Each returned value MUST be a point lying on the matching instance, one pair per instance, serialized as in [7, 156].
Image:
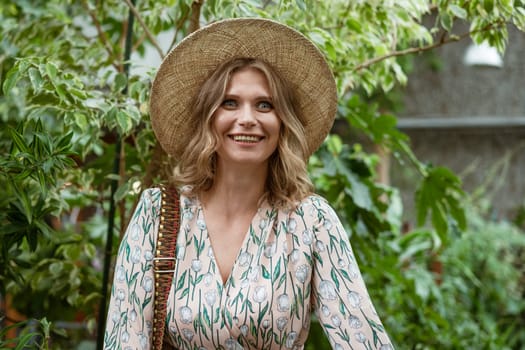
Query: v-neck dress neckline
[208, 242]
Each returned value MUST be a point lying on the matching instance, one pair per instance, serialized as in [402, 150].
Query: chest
[226, 237]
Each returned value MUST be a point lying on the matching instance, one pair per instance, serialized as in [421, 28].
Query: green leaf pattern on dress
[290, 264]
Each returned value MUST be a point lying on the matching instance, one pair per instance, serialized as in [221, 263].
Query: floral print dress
[290, 264]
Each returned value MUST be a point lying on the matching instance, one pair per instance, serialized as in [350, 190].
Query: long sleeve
[130, 313]
[339, 295]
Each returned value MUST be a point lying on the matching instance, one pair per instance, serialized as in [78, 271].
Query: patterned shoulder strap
[164, 261]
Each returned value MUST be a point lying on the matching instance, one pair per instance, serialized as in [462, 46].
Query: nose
[247, 117]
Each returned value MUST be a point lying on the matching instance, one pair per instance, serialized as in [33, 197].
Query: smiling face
[246, 122]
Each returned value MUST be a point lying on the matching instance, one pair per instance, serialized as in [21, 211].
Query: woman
[242, 104]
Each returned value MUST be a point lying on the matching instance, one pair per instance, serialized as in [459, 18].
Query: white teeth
[245, 138]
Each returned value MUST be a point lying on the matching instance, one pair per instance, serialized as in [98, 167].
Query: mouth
[246, 138]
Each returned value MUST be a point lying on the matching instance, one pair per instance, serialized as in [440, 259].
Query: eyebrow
[261, 97]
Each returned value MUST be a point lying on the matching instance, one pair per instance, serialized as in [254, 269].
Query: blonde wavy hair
[287, 182]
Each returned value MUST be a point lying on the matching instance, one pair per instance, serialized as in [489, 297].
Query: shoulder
[314, 211]
[314, 199]
[151, 197]
[314, 204]
[151, 192]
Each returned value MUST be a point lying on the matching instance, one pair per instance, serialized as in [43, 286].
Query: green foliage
[28, 336]
[440, 193]
[344, 177]
[434, 290]
[66, 99]
[484, 271]
[27, 174]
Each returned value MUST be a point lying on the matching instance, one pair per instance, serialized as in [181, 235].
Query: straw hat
[192, 61]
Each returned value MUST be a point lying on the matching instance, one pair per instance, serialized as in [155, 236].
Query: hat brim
[191, 62]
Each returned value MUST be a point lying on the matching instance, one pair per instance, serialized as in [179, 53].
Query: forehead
[247, 77]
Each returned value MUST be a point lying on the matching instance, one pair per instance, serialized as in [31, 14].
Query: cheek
[217, 129]
[278, 127]
[219, 123]
[216, 125]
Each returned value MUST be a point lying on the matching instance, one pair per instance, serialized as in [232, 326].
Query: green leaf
[81, 94]
[24, 204]
[446, 21]
[18, 140]
[11, 79]
[120, 82]
[458, 212]
[439, 219]
[25, 340]
[44, 143]
[90, 251]
[488, 5]
[354, 25]
[359, 191]
[4, 330]
[56, 267]
[42, 182]
[81, 121]
[458, 11]
[51, 70]
[64, 143]
[330, 51]
[301, 4]
[439, 192]
[61, 92]
[36, 79]
[124, 122]
[418, 242]
[334, 144]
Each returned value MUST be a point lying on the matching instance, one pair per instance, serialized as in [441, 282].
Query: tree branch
[180, 24]
[101, 34]
[443, 40]
[146, 30]
[195, 15]
[139, 42]
[194, 20]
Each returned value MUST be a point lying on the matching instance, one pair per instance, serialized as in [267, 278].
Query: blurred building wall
[470, 119]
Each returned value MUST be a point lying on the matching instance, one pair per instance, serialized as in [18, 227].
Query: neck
[236, 190]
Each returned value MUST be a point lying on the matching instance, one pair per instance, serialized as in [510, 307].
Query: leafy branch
[101, 34]
[444, 40]
[145, 28]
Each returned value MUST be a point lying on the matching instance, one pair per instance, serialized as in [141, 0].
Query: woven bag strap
[164, 261]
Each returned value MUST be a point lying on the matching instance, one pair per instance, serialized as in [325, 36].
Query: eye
[229, 103]
[264, 106]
